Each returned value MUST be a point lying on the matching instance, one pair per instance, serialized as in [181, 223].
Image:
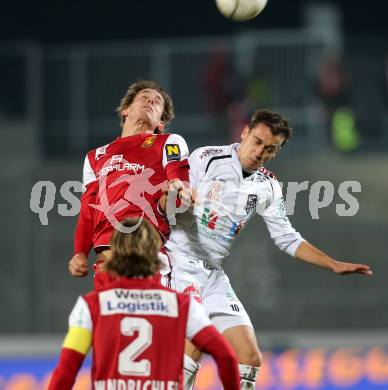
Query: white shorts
[211, 286]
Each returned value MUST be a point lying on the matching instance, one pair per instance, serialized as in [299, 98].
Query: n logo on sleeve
[173, 152]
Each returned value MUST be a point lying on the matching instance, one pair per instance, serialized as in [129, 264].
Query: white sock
[248, 376]
[190, 369]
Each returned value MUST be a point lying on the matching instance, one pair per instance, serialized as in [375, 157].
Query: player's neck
[135, 127]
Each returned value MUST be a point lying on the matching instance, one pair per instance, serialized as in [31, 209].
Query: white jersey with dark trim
[227, 202]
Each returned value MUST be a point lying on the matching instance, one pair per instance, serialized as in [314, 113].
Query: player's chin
[252, 166]
[148, 116]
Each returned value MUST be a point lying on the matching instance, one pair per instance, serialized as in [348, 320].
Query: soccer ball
[240, 9]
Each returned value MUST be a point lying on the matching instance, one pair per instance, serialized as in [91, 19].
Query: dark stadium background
[63, 21]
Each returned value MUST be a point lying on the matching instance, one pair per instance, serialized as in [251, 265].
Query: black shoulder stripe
[216, 158]
[270, 182]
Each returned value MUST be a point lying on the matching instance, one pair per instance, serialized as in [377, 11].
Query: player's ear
[124, 112]
[244, 132]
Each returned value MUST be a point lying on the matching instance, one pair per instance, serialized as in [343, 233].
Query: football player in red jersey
[137, 327]
[126, 177]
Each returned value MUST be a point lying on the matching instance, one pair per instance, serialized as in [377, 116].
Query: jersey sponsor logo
[251, 203]
[210, 152]
[101, 151]
[193, 291]
[209, 218]
[130, 301]
[127, 166]
[135, 384]
[173, 152]
[215, 191]
[203, 231]
[149, 141]
[116, 158]
[137, 294]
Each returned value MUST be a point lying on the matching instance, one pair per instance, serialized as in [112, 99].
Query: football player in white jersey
[231, 184]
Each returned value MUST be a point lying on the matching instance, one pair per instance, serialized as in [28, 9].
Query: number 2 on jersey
[127, 364]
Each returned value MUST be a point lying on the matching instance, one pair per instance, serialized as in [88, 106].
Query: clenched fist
[78, 265]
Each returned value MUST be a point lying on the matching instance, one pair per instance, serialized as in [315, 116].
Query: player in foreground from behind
[137, 327]
[126, 178]
[231, 185]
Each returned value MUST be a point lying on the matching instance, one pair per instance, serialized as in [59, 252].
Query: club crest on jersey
[173, 152]
[149, 141]
[251, 203]
[101, 151]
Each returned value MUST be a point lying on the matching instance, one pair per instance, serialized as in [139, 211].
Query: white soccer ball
[240, 9]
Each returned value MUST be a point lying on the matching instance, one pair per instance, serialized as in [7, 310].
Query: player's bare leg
[190, 364]
[243, 341]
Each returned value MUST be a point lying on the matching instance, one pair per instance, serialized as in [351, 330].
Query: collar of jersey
[140, 135]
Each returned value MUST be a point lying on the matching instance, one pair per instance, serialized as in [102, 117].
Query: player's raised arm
[206, 338]
[290, 241]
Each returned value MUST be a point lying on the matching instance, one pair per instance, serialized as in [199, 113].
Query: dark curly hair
[275, 121]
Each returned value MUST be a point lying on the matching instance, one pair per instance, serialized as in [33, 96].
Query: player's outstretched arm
[208, 340]
[309, 253]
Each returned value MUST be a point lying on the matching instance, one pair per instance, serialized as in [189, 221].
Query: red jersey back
[139, 328]
[125, 179]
